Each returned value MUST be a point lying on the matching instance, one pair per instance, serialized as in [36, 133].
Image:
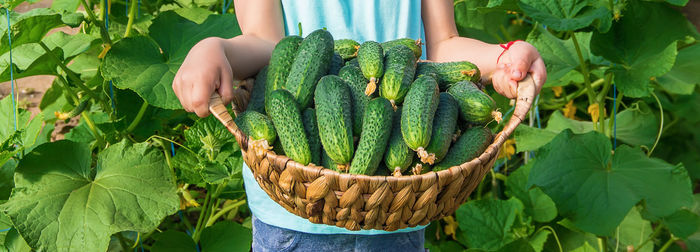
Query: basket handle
[218, 109]
[527, 90]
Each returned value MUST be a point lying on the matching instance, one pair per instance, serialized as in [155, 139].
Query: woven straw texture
[359, 202]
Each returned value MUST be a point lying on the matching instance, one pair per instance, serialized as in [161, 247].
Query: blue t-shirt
[361, 20]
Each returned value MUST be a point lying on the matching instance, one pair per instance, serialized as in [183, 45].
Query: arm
[213, 63]
[444, 44]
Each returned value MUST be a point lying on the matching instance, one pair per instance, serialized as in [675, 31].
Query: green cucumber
[398, 156]
[336, 64]
[427, 70]
[286, 116]
[357, 83]
[414, 45]
[452, 72]
[370, 56]
[257, 95]
[353, 62]
[400, 68]
[444, 126]
[311, 63]
[277, 147]
[418, 113]
[82, 105]
[256, 126]
[334, 115]
[469, 146]
[475, 106]
[347, 48]
[376, 129]
[281, 63]
[311, 128]
[326, 161]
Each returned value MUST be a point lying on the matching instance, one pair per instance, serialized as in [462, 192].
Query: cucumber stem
[138, 117]
[371, 86]
[586, 74]
[132, 16]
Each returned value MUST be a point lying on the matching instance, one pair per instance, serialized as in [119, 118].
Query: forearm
[457, 48]
[247, 54]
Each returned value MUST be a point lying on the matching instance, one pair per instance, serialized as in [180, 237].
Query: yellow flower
[508, 149]
[557, 91]
[594, 111]
[569, 110]
[61, 115]
[450, 227]
[186, 199]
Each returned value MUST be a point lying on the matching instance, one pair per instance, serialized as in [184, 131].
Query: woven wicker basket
[359, 202]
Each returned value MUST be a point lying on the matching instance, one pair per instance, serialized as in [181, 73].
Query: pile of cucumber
[367, 108]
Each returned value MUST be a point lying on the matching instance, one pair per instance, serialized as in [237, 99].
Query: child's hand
[515, 63]
[202, 73]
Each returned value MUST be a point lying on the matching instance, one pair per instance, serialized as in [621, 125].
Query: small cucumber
[326, 161]
[427, 70]
[257, 95]
[311, 63]
[376, 129]
[370, 56]
[452, 72]
[281, 63]
[418, 113]
[347, 48]
[414, 45]
[334, 116]
[475, 106]
[357, 83]
[469, 146]
[311, 128]
[286, 116]
[336, 64]
[353, 62]
[444, 126]
[398, 156]
[400, 68]
[256, 126]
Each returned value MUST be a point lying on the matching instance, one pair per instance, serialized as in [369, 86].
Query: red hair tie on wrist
[505, 48]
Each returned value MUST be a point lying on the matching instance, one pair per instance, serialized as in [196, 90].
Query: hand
[204, 71]
[515, 63]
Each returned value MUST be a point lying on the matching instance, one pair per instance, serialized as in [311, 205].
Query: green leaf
[642, 51]
[637, 125]
[15, 243]
[207, 136]
[71, 44]
[28, 60]
[65, 5]
[586, 247]
[226, 236]
[596, 189]
[29, 127]
[174, 241]
[538, 240]
[569, 15]
[683, 78]
[633, 230]
[137, 63]
[487, 222]
[54, 101]
[473, 21]
[186, 164]
[536, 203]
[197, 15]
[682, 223]
[28, 27]
[7, 175]
[58, 194]
[530, 138]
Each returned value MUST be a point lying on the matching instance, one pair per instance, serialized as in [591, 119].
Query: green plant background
[609, 160]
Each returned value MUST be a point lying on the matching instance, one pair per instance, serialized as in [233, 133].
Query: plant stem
[584, 70]
[601, 102]
[70, 73]
[132, 16]
[653, 235]
[138, 117]
[661, 124]
[91, 14]
[202, 214]
[224, 211]
[667, 244]
[91, 125]
[556, 237]
[616, 108]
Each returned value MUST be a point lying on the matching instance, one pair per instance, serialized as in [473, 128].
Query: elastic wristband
[505, 47]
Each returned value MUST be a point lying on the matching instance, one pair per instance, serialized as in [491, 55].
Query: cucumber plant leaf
[633, 230]
[173, 241]
[683, 77]
[218, 237]
[28, 60]
[137, 63]
[535, 202]
[28, 27]
[596, 189]
[569, 15]
[682, 223]
[72, 45]
[487, 223]
[60, 202]
[28, 128]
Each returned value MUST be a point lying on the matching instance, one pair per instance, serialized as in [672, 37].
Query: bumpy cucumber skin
[286, 117]
[397, 155]
[418, 112]
[370, 57]
[353, 62]
[469, 146]
[423, 69]
[311, 127]
[357, 83]
[326, 161]
[257, 95]
[336, 64]
[414, 45]
[475, 106]
[311, 63]
[452, 72]
[281, 63]
[376, 129]
[256, 126]
[444, 126]
[400, 69]
[334, 115]
[347, 48]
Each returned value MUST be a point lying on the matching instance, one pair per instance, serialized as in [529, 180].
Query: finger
[225, 87]
[176, 90]
[503, 84]
[539, 73]
[201, 92]
[518, 69]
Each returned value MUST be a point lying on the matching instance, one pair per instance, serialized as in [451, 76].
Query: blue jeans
[271, 238]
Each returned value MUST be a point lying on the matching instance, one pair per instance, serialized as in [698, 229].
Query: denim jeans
[271, 238]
